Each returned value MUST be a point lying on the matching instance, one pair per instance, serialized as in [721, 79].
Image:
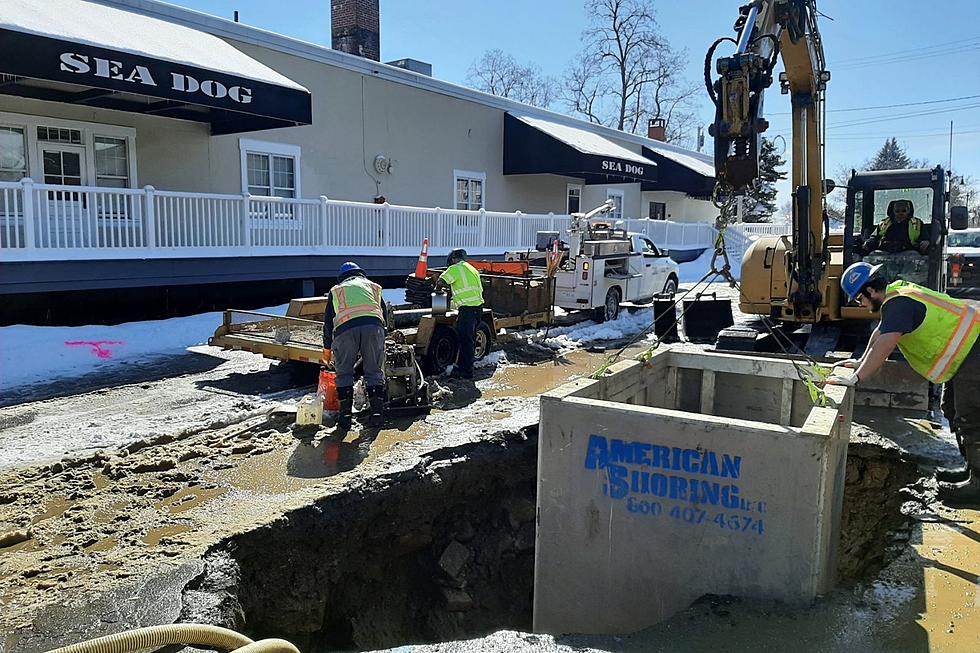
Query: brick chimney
[657, 129]
[355, 27]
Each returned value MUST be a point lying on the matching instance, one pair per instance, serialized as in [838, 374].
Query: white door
[655, 267]
[67, 215]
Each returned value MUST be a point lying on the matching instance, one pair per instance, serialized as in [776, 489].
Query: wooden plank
[708, 392]
[786, 402]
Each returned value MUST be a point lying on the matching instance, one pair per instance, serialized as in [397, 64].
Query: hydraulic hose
[186, 634]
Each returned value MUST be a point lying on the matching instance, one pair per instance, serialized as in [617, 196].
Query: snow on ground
[33, 354]
[493, 359]
[627, 325]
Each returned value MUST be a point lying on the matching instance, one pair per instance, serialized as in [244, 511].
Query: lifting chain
[725, 201]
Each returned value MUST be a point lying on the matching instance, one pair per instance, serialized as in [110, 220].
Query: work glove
[851, 363]
[924, 246]
[841, 379]
[327, 357]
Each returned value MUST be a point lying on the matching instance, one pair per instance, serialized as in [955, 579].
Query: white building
[97, 97]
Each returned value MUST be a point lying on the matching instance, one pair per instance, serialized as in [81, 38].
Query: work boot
[346, 398]
[968, 491]
[376, 399]
[963, 493]
[953, 474]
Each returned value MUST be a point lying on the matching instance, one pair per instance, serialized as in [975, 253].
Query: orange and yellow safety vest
[938, 346]
[356, 297]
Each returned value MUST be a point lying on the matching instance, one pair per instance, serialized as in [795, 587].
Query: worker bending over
[936, 334]
[899, 231]
[467, 299]
[355, 324]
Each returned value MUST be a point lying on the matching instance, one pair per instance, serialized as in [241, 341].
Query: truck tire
[610, 308]
[484, 341]
[670, 288]
[442, 351]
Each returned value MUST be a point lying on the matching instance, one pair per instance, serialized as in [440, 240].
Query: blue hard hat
[856, 276]
[349, 268]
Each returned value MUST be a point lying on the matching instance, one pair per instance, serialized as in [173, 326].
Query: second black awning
[537, 146]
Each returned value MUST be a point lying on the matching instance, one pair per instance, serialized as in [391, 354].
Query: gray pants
[961, 406]
[367, 340]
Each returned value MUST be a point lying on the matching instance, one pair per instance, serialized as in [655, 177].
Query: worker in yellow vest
[354, 324]
[467, 300]
[936, 334]
[899, 231]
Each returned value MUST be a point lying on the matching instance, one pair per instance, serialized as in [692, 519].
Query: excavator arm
[766, 31]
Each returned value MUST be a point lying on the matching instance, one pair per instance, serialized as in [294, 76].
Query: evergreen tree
[891, 156]
[761, 201]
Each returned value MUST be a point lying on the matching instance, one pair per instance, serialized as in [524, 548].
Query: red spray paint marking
[97, 347]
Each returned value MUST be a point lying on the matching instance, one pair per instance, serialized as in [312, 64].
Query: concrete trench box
[686, 475]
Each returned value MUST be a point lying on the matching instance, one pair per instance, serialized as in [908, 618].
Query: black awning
[47, 68]
[678, 171]
[536, 146]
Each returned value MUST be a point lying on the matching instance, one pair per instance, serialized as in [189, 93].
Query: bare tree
[628, 73]
[499, 73]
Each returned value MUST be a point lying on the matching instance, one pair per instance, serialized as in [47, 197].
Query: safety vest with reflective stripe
[915, 229]
[356, 297]
[939, 345]
[464, 279]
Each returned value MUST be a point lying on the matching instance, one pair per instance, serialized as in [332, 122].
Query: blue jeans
[466, 323]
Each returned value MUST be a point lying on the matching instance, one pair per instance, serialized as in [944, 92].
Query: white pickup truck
[603, 266]
[614, 267]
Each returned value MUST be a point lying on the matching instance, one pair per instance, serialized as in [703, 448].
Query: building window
[270, 169]
[60, 135]
[468, 188]
[658, 211]
[271, 175]
[111, 162]
[13, 154]
[617, 197]
[573, 203]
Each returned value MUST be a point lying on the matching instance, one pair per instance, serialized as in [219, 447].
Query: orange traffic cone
[422, 269]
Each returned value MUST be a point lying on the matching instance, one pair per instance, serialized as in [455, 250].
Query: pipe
[184, 634]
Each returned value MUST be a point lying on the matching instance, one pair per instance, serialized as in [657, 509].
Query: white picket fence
[48, 222]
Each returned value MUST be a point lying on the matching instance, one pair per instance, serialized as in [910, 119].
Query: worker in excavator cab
[464, 282]
[900, 231]
[354, 324]
[937, 335]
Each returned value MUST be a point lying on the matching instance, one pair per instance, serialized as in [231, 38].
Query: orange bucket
[328, 389]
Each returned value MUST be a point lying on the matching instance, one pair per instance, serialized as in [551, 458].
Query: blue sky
[880, 52]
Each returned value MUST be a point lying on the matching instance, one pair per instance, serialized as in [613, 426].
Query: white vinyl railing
[48, 222]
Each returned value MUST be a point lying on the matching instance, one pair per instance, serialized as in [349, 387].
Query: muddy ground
[186, 494]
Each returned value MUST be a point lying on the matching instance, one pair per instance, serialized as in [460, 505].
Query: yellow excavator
[794, 280]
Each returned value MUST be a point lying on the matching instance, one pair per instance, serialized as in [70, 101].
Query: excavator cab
[873, 197]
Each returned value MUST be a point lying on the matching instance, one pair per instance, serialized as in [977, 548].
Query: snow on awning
[87, 53]
[678, 170]
[538, 146]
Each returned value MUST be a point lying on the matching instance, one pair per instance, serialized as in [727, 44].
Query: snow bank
[33, 354]
[627, 325]
[693, 271]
